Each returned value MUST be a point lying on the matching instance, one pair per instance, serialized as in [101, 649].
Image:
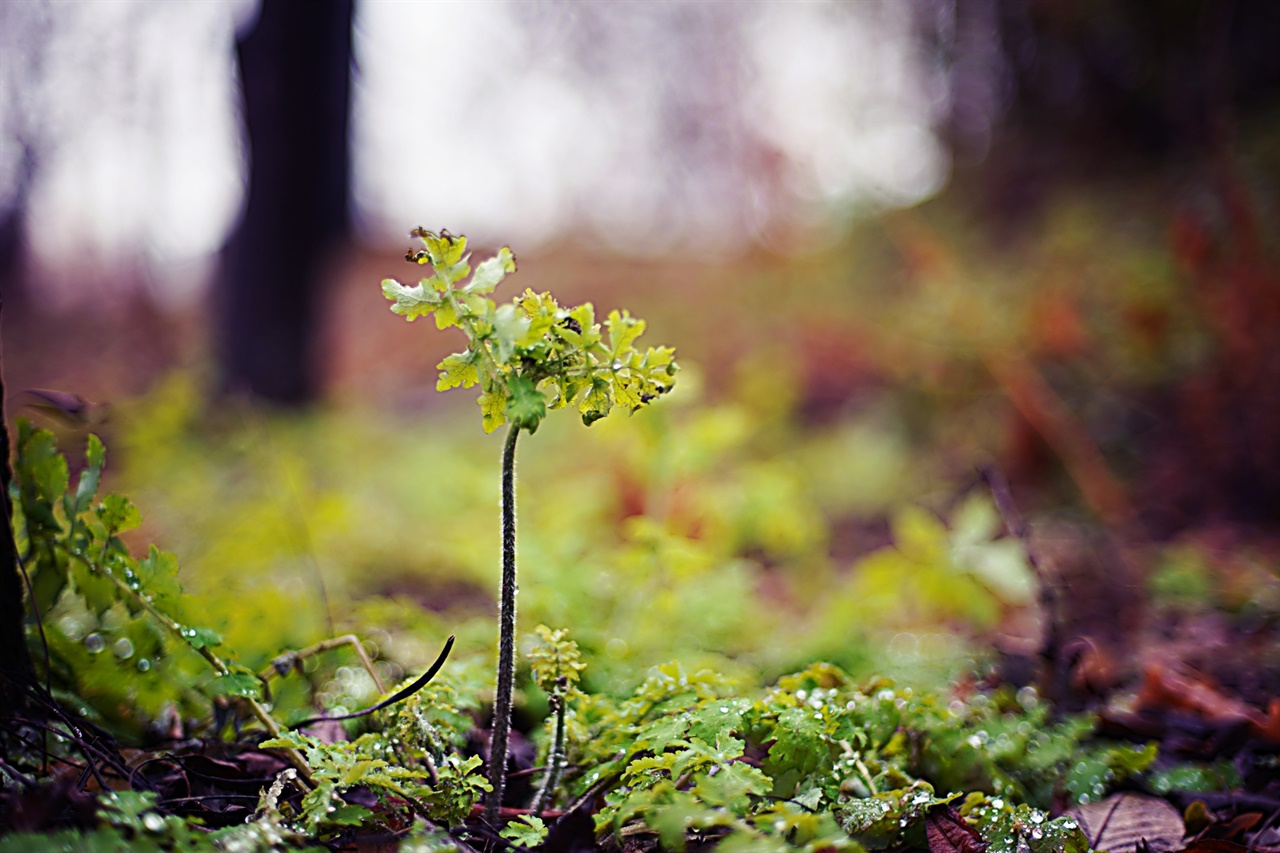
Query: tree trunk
[295, 74]
[15, 663]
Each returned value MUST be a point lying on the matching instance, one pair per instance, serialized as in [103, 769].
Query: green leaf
[919, 535]
[623, 330]
[597, 402]
[348, 815]
[444, 249]
[490, 273]
[799, 742]
[118, 514]
[359, 770]
[509, 326]
[411, 302]
[626, 392]
[235, 684]
[43, 466]
[541, 309]
[447, 315]
[201, 638]
[555, 657]
[157, 575]
[732, 786]
[493, 406]
[526, 407]
[95, 457]
[457, 370]
[526, 831]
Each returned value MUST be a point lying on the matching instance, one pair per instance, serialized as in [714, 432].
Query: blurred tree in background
[295, 70]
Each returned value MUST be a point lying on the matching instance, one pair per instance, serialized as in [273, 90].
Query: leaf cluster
[817, 763]
[555, 662]
[531, 354]
[118, 630]
[443, 792]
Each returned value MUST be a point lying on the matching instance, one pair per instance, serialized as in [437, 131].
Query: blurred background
[893, 241]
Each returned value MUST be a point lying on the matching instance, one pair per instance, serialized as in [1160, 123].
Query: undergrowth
[690, 583]
[813, 760]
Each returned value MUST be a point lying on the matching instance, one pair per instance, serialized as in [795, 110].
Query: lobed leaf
[410, 302]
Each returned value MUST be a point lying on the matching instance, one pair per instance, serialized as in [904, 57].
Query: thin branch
[1017, 527]
[283, 663]
[398, 697]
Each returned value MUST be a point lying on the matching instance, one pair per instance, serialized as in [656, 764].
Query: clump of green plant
[817, 762]
[527, 356]
[557, 667]
[93, 595]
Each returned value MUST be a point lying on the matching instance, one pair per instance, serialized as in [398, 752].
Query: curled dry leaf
[1127, 822]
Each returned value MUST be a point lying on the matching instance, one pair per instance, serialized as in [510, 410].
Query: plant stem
[507, 632]
[555, 758]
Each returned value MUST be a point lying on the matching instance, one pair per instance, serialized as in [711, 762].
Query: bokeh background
[893, 242]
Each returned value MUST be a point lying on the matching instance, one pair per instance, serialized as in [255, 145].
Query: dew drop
[123, 648]
[143, 665]
[153, 822]
[94, 643]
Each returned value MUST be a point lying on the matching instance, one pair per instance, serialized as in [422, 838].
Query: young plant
[556, 665]
[527, 356]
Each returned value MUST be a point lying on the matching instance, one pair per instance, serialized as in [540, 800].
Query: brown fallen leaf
[1240, 824]
[1165, 687]
[948, 833]
[1127, 822]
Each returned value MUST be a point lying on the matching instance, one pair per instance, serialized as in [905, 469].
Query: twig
[1048, 592]
[399, 695]
[14, 773]
[1262, 830]
[283, 663]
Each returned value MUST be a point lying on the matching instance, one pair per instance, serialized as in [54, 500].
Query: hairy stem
[555, 758]
[507, 632]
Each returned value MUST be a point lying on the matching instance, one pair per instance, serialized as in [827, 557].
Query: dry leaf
[1123, 822]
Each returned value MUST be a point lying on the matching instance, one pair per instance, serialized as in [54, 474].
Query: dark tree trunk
[15, 663]
[295, 73]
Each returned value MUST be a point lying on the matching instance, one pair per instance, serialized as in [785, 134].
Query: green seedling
[527, 356]
[556, 665]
